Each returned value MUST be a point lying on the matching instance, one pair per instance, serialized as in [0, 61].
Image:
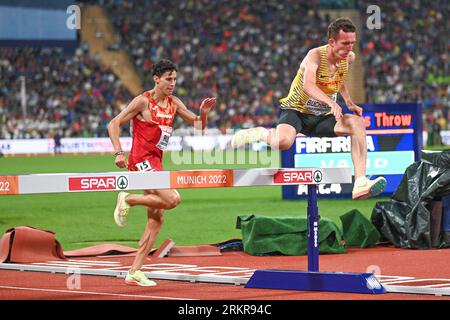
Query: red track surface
[420, 264]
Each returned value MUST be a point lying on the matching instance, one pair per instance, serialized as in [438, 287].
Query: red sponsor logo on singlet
[328, 83]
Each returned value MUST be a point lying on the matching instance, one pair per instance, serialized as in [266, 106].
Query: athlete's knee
[285, 143]
[283, 137]
[281, 141]
[356, 123]
[173, 200]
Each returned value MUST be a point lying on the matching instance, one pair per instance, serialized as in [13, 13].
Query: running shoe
[245, 136]
[365, 188]
[138, 278]
[122, 209]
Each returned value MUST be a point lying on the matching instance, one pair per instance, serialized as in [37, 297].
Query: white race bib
[163, 142]
[318, 107]
[144, 166]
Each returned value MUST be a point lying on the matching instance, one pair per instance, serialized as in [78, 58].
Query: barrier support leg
[313, 229]
[313, 280]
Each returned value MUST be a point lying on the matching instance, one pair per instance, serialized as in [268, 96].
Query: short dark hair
[162, 67]
[344, 24]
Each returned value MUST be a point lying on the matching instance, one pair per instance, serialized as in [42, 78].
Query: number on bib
[144, 166]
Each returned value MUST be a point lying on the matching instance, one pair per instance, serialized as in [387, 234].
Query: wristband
[119, 153]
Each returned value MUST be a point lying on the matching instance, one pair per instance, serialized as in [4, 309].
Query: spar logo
[98, 183]
[295, 176]
[317, 176]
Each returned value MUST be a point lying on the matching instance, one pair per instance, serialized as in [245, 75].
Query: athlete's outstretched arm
[134, 107]
[190, 117]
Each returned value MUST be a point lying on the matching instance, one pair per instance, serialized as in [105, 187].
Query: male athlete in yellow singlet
[311, 108]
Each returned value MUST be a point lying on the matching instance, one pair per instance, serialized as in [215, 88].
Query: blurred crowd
[73, 95]
[242, 53]
[407, 59]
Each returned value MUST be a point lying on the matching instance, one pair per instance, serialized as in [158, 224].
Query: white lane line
[84, 261]
[444, 285]
[74, 263]
[391, 278]
[94, 293]
[416, 280]
[159, 266]
[95, 261]
[66, 265]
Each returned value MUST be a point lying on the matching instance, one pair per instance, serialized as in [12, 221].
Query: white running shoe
[138, 279]
[245, 136]
[122, 209]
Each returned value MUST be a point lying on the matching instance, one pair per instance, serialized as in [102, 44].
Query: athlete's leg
[280, 138]
[353, 126]
[155, 220]
[160, 199]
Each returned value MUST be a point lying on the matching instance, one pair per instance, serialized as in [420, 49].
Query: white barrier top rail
[126, 180]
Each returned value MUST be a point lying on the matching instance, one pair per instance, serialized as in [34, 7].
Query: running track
[418, 267]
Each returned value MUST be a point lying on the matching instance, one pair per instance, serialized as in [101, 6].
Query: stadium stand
[246, 55]
[75, 95]
[407, 59]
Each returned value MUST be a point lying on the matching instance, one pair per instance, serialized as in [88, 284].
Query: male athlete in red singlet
[151, 138]
[151, 115]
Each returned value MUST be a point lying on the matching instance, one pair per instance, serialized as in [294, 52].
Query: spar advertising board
[394, 141]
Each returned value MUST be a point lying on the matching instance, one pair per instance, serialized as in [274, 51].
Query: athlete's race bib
[163, 142]
[144, 166]
[318, 107]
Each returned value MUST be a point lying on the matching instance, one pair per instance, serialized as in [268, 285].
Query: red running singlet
[150, 139]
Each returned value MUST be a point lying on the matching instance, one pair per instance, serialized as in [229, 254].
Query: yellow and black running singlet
[299, 100]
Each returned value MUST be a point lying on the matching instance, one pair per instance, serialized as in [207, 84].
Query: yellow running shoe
[138, 279]
[122, 209]
[365, 188]
[245, 136]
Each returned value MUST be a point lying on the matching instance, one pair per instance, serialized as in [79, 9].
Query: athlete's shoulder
[177, 102]
[315, 51]
[175, 99]
[141, 100]
[318, 50]
[313, 55]
[138, 104]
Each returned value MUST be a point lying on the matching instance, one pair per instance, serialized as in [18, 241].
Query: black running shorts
[308, 124]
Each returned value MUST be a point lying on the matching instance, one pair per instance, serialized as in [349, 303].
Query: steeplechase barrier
[214, 178]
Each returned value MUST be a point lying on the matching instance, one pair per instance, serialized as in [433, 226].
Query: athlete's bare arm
[343, 90]
[311, 64]
[135, 107]
[190, 117]
[345, 94]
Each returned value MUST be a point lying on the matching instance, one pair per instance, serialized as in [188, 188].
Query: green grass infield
[205, 216]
